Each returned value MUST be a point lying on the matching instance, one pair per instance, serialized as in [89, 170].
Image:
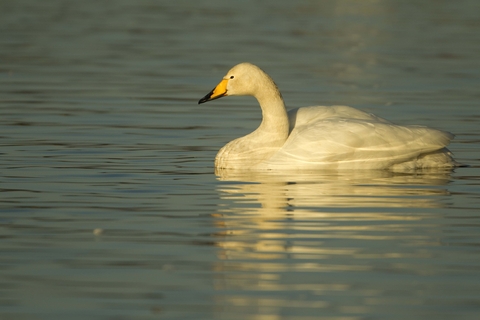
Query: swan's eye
[231, 77]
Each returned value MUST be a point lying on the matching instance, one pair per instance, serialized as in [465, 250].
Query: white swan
[336, 137]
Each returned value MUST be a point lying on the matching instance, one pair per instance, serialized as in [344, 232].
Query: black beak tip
[206, 98]
[203, 100]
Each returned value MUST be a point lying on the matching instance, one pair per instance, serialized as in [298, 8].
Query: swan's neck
[274, 126]
[267, 139]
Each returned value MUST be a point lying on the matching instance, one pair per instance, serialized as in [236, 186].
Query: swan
[322, 137]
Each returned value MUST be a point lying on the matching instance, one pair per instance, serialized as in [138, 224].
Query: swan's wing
[304, 116]
[367, 142]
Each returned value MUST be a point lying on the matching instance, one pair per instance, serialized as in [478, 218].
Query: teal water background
[109, 205]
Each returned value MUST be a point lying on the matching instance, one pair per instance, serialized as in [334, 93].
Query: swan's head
[242, 80]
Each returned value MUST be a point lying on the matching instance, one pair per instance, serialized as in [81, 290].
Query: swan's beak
[219, 91]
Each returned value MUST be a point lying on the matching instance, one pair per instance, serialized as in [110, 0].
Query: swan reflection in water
[321, 222]
[348, 189]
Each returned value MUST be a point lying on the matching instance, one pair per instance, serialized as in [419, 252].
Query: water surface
[110, 207]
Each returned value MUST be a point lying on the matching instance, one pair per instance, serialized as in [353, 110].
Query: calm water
[110, 207]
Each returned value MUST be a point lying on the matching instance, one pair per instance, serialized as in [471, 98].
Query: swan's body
[309, 138]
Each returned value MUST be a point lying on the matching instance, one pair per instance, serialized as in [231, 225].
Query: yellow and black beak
[219, 91]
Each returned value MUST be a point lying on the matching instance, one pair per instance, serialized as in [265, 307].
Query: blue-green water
[109, 205]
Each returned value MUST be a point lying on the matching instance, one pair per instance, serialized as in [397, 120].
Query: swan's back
[341, 137]
[303, 116]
